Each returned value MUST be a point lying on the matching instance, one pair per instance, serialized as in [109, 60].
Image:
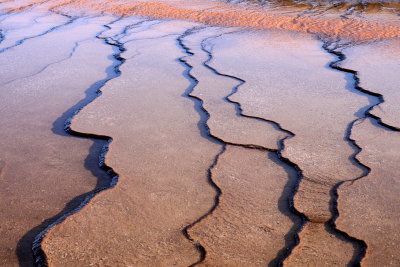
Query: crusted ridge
[199, 103]
[40, 259]
[293, 233]
[283, 253]
[360, 245]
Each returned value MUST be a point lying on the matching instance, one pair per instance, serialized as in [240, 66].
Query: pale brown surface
[162, 160]
[34, 55]
[44, 168]
[212, 89]
[247, 228]
[319, 248]
[378, 67]
[369, 208]
[265, 234]
[162, 152]
[17, 26]
[312, 102]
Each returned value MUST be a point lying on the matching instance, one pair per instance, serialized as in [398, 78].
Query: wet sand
[209, 144]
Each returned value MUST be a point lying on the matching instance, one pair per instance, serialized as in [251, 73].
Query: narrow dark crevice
[379, 97]
[298, 218]
[107, 177]
[238, 108]
[375, 100]
[34, 21]
[71, 19]
[4, 16]
[1, 36]
[218, 191]
[24, 245]
[76, 45]
[350, 10]
[205, 132]
[291, 238]
[125, 33]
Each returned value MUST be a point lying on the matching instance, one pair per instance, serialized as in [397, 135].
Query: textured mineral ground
[199, 133]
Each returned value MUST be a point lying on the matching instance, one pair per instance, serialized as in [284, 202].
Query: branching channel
[333, 48]
[39, 255]
[291, 241]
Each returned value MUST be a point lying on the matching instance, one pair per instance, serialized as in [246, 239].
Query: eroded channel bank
[44, 167]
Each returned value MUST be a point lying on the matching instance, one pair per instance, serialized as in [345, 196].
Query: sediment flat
[209, 133]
